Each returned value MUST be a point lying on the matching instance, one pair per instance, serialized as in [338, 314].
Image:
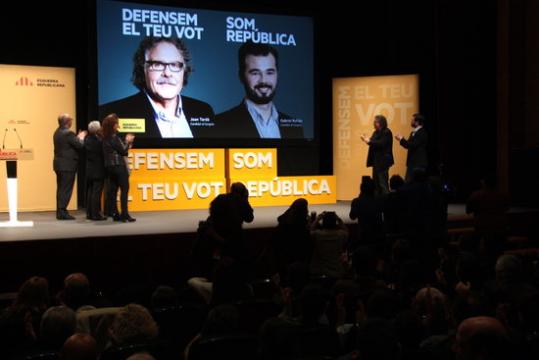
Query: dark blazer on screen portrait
[238, 123]
[66, 150]
[138, 106]
[417, 149]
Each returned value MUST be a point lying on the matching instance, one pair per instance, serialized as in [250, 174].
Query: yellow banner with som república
[283, 190]
[244, 163]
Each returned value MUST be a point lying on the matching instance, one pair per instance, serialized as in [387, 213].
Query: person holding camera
[329, 235]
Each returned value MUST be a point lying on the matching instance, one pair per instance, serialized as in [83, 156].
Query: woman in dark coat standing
[114, 151]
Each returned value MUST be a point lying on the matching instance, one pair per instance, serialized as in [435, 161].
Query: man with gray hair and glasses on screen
[161, 70]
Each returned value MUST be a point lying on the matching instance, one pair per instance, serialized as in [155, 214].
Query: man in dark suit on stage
[380, 156]
[95, 171]
[66, 157]
[257, 115]
[416, 145]
[161, 69]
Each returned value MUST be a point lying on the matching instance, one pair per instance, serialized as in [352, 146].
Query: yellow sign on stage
[132, 125]
[284, 190]
[252, 163]
[172, 179]
[163, 163]
[356, 101]
[32, 98]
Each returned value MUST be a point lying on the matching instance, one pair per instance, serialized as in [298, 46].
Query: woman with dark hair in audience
[367, 209]
[115, 150]
[19, 323]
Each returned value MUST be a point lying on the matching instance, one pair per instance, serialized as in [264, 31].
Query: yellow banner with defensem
[165, 163]
[356, 101]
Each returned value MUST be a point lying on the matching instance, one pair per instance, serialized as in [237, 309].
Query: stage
[46, 227]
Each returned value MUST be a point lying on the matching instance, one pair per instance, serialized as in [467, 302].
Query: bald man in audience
[141, 356]
[79, 347]
[482, 338]
[76, 291]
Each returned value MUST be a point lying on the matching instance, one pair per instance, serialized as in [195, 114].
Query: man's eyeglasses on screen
[160, 66]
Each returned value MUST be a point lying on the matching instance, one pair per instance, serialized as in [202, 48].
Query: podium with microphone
[11, 156]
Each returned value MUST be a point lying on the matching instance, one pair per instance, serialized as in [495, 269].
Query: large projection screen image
[175, 75]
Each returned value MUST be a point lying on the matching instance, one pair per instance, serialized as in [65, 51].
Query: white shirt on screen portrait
[267, 128]
[171, 126]
[416, 129]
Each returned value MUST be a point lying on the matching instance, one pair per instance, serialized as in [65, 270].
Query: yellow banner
[355, 103]
[132, 125]
[149, 194]
[244, 163]
[165, 163]
[32, 98]
[284, 190]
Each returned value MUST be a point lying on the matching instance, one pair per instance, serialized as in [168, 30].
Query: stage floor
[46, 227]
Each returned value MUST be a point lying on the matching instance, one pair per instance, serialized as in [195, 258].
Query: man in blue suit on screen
[257, 116]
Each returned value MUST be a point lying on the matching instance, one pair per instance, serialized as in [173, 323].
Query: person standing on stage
[66, 158]
[114, 151]
[95, 171]
[416, 145]
[380, 156]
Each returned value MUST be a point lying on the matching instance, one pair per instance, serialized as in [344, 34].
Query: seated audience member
[133, 325]
[57, 325]
[482, 338]
[222, 320]
[79, 347]
[164, 296]
[141, 356]
[394, 207]
[489, 208]
[76, 292]
[329, 236]
[367, 209]
[291, 240]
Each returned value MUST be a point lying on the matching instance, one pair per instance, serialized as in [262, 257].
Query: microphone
[4, 141]
[20, 141]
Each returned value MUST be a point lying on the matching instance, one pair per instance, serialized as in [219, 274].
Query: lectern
[11, 156]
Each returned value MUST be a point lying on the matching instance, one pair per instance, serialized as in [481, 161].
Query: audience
[396, 291]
